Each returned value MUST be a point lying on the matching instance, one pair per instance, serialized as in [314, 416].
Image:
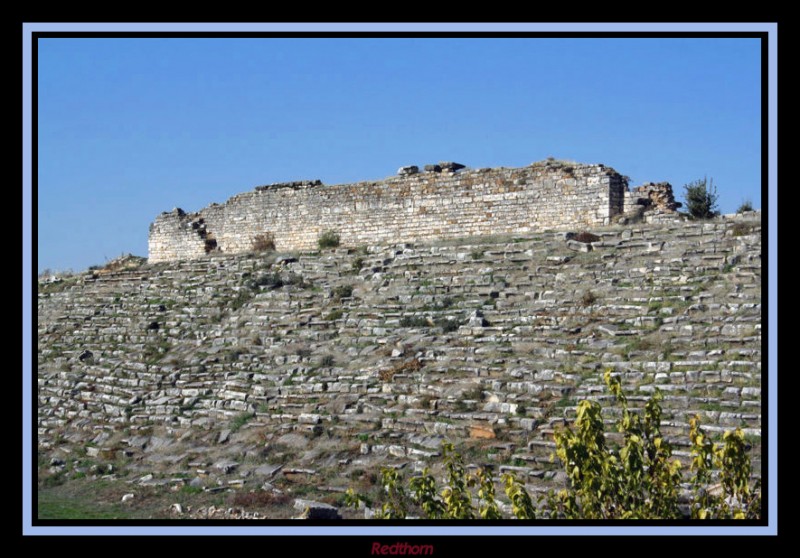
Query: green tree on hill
[701, 198]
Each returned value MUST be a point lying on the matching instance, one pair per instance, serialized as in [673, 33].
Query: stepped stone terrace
[300, 372]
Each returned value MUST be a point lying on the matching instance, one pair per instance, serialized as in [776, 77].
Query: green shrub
[701, 198]
[55, 479]
[637, 479]
[327, 361]
[269, 280]
[242, 298]
[414, 321]
[297, 280]
[240, 420]
[474, 394]
[342, 291]
[446, 302]
[448, 325]
[334, 315]
[275, 280]
[746, 205]
[328, 239]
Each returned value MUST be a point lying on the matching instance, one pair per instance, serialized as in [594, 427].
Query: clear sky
[132, 127]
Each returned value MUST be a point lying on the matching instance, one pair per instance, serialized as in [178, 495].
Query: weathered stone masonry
[417, 206]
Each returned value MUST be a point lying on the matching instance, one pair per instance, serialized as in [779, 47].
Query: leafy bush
[342, 291]
[701, 199]
[454, 500]
[270, 280]
[588, 298]
[188, 489]
[275, 281]
[297, 280]
[414, 321]
[240, 420]
[446, 302]
[264, 243]
[640, 479]
[242, 298]
[334, 315]
[328, 239]
[327, 361]
[52, 480]
[747, 205]
[448, 325]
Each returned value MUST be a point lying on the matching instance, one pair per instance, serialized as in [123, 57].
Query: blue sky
[132, 127]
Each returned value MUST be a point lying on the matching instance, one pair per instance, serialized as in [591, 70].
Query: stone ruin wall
[410, 207]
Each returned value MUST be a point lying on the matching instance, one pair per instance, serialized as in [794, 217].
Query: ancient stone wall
[440, 203]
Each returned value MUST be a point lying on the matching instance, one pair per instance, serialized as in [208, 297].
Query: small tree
[636, 478]
[747, 205]
[328, 239]
[701, 198]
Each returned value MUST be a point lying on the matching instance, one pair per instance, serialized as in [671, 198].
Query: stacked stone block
[413, 206]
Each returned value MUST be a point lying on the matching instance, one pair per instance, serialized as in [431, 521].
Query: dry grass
[263, 242]
[412, 365]
[588, 298]
[260, 499]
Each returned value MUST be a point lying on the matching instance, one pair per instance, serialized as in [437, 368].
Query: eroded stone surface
[487, 342]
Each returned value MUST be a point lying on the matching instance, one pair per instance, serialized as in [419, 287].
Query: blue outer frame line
[382, 531]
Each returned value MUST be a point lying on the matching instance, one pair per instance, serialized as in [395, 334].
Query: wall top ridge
[446, 172]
